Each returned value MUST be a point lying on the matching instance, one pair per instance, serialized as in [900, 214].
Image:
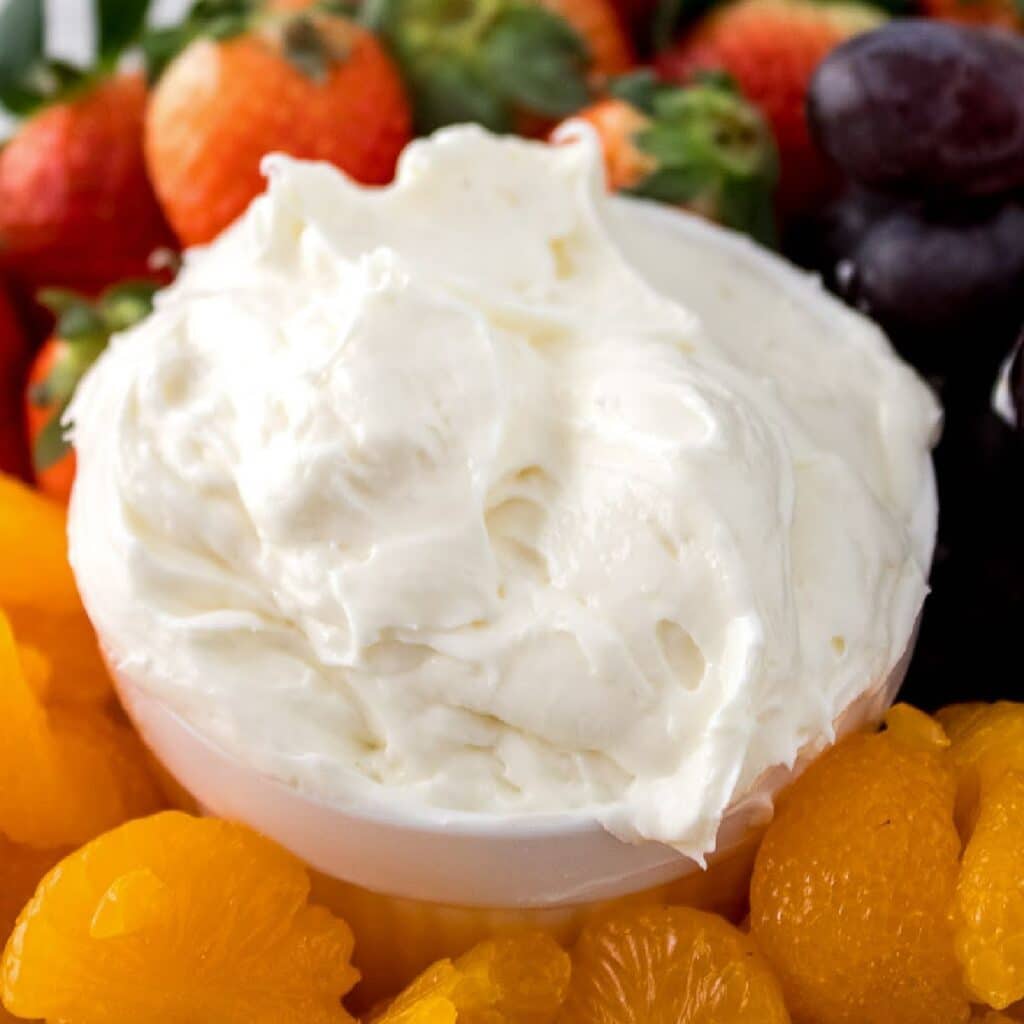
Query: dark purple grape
[924, 107]
[931, 278]
[824, 239]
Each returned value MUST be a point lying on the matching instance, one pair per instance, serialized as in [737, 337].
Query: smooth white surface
[425, 498]
[451, 857]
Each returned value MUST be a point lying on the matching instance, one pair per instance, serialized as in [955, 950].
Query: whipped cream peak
[437, 495]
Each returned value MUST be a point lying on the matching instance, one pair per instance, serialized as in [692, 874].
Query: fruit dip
[424, 496]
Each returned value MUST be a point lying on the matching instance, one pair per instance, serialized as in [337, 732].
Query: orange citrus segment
[34, 550]
[21, 868]
[172, 919]
[38, 593]
[669, 965]
[65, 774]
[988, 740]
[990, 897]
[854, 882]
[914, 728]
[956, 719]
[513, 979]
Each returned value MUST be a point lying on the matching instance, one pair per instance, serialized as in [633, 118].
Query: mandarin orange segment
[38, 593]
[68, 642]
[34, 550]
[669, 965]
[988, 741]
[514, 979]
[66, 774]
[956, 719]
[990, 897]
[853, 885]
[173, 919]
[914, 728]
[21, 868]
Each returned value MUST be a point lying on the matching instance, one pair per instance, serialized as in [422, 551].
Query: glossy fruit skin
[826, 238]
[520, 978]
[21, 868]
[76, 206]
[222, 106]
[56, 480]
[988, 743]
[990, 897]
[932, 278]
[669, 965]
[172, 919]
[772, 48]
[39, 596]
[14, 356]
[616, 123]
[853, 885]
[925, 108]
[67, 774]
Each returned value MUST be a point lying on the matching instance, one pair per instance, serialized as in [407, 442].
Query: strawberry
[702, 147]
[14, 353]
[309, 84]
[771, 48]
[506, 64]
[76, 206]
[82, 331]
[1007, 14]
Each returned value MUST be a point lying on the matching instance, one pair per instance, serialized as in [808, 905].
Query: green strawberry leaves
[455, 91]
[713, 151]
[537, 61]
[22, 26]
[28, 80]
[22, 68]
[118, 25]
[482, 60]
[83, 330]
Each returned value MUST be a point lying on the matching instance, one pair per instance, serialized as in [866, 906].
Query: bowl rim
[386, 809]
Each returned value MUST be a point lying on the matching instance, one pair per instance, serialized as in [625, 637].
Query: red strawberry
[997, 13]
[76, 206]
[771, 48]
[81, 334]
[311, 85]
[13, 364]
[702, 147]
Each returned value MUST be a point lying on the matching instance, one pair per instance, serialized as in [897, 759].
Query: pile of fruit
[888, 888]
[880, 143]
[883, 148]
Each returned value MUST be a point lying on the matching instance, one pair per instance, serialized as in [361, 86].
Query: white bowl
[539, 864]
[539, 861]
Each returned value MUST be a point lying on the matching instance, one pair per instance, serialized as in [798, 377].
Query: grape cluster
[927, 121]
